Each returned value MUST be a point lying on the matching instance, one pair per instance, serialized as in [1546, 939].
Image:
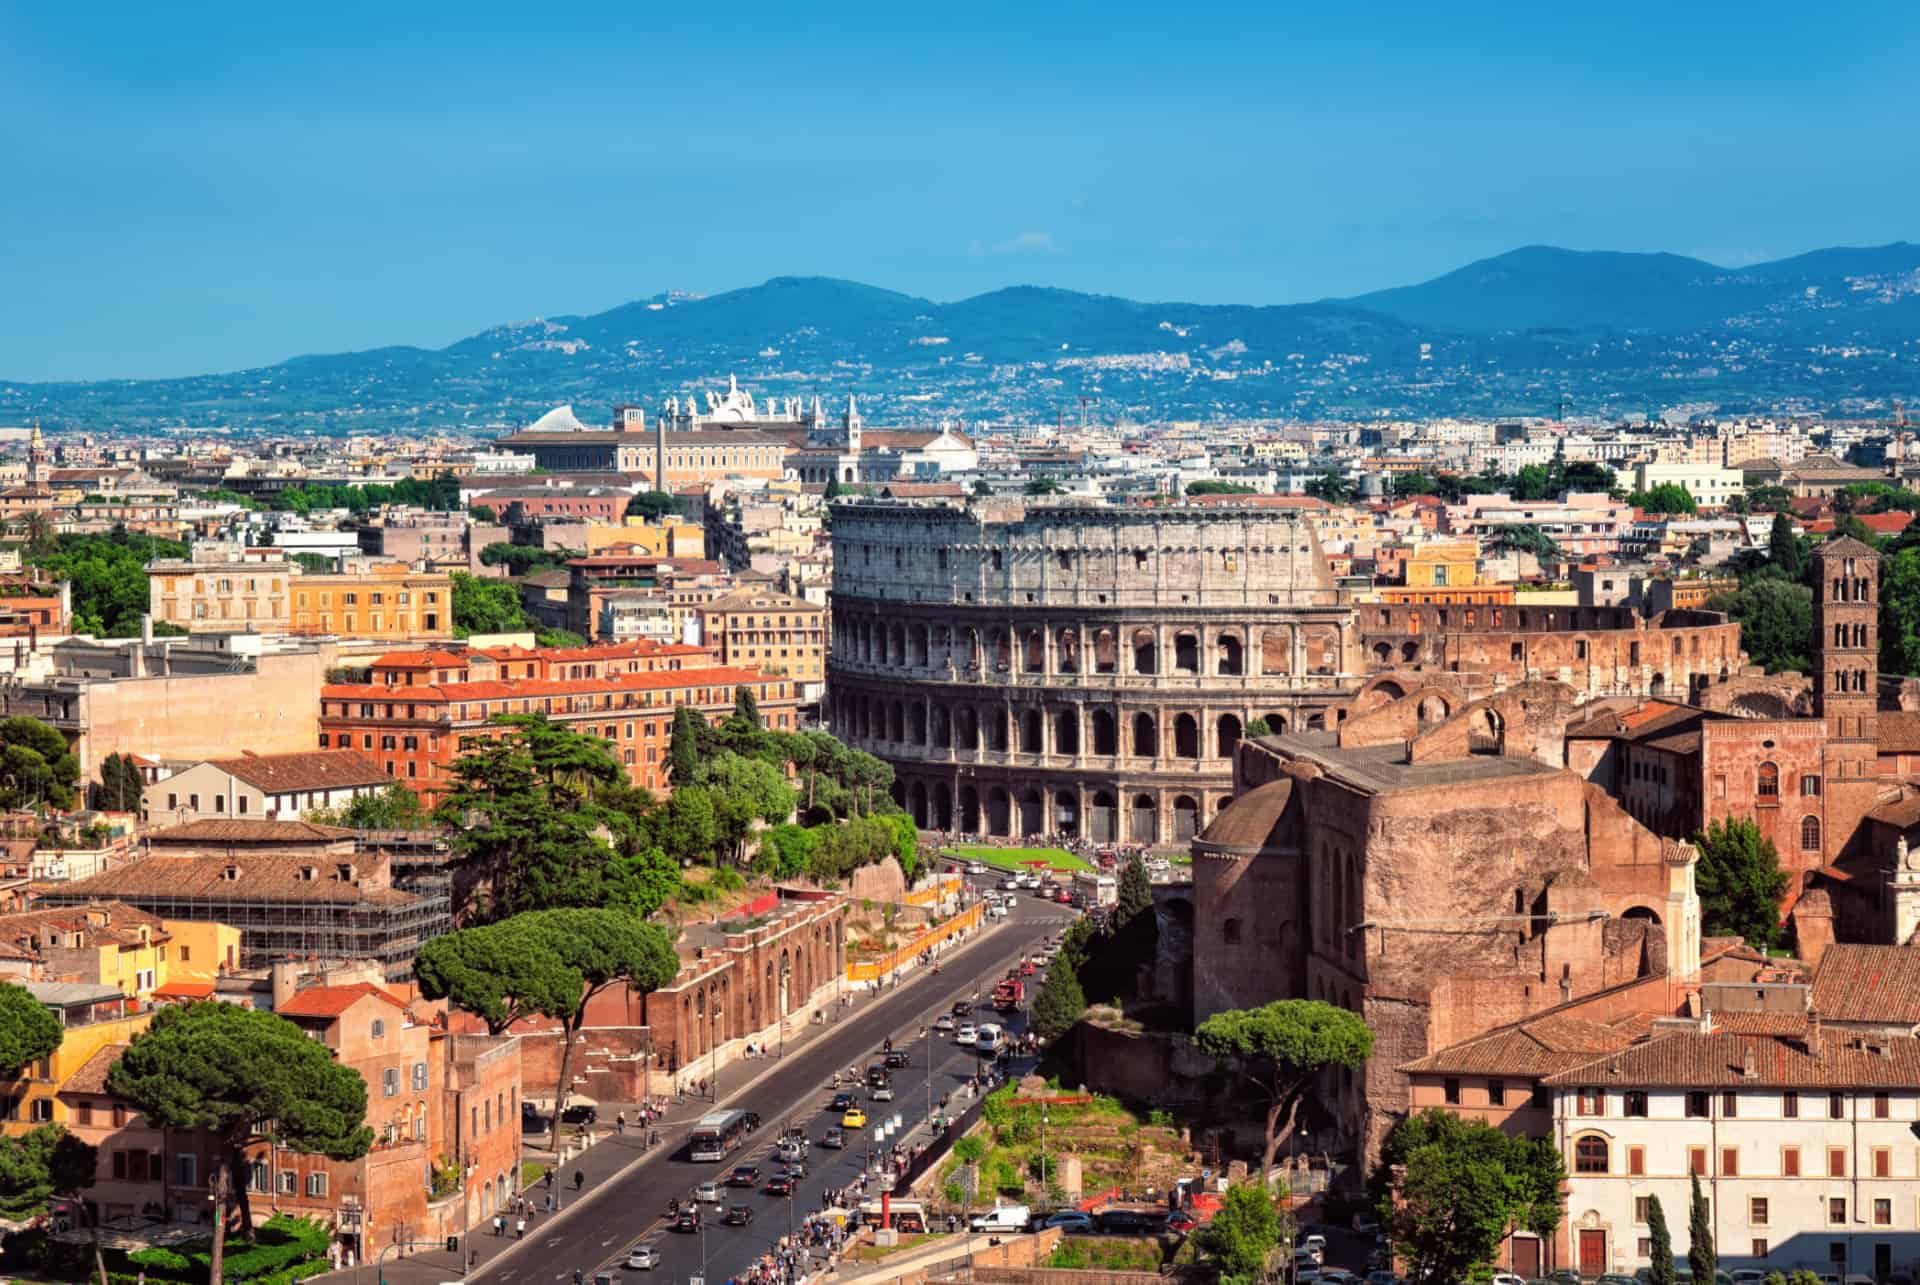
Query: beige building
[279, 787]
[228, 593]
[368, 598]
[774, 633]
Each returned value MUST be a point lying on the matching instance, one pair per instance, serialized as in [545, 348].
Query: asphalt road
[597, 1236]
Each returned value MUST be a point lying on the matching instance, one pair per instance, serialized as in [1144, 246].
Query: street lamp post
[713, 1050]
[786, 971]
[1043, 1146]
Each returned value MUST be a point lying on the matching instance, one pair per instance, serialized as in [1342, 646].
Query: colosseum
[1063, 669]
[1077, 669]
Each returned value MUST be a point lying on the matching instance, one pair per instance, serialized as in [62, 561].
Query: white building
[275, 787]
[1806, 1144]
[1710, 485]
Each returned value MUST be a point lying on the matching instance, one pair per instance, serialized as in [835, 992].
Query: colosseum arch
[1066, 646]
[1033, 652]
[999, 812]
[1145, 826]
[966, 728]
[1486, 731]
[1186, 737]
[897, 645]
[998, 730]
[916, 724]
[1145, 652]
[1230, 660]
[1186, 818]
[1000, 651]
[1100, 819]
[898, 793]
[917, 804]
[1146, 743]
[1186, 652]
[1276, 651]
[941, 805]
[1066, 731]
[1106, 652]
[1277, 722]
[1227, 736]
[917, 646]
[1032, 812]
[1105, 741]
[1066, 813]
[1031, 732]
[897, 723]
[938, 733]
[1383, 653]
[1433, 708]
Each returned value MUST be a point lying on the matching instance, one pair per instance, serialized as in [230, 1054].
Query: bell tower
[36, 456]
[1846, 648]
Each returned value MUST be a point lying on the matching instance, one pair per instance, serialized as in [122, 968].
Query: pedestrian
[520, 1230]
[620, 1123]
[499, 1225]
[579, 1180]
[549, 1202]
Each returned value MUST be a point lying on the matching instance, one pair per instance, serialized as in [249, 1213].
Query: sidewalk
[611, 1157]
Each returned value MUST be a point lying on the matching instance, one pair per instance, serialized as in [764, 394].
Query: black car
[779, 1185]
[688, 1220]
[897, 1058]
[753, 1120]
[739, 1215]
[580, 1113]
[841, 1102]
[961, 1008]
[744, 1176]
[877, 1075]
[1126, 1221]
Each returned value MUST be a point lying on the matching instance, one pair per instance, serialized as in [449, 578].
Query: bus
[715, 1134]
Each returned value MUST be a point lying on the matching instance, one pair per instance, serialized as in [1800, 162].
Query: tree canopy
[1216, 486]
[1465, 1187]
[1701, 1257]
[652, 505]
[108, 574]
[120, 786]
[441, 494]
[1243, 1233]
[482, 606]
[1776, 621]
[1058, 1004]
[1527, 539]
[242, 1074]
[394, 808]
[1280, 1047]
[28, 1031]
[1666, 497]
[36, 767]
[1740, 882]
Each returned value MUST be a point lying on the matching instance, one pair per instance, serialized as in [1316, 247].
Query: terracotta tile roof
[262, 877]
[214, 830]
[515, 688]
[924, 491]
[1899, 731]
[92, 1074]
[1900, 813]
[331, 1001]
[1536, 1047]
[306, 771]
[1794, 1024]
[420, 660]
[1688, 1060]
[122, 926]
[184, 990]
[1860, 983]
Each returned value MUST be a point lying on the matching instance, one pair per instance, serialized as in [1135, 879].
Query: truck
[1100, 889]
[1008, 992]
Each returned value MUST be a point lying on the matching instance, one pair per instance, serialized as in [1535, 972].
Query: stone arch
[917, 724]
[939, 732]
[1145, 827]
[1486, 731]
[1229, 656]
[1101, 820]
[999, 729]
[1276, 651]
[1032, 731]
[897, 645]
[1033, 651]
[1066, 813]
[1409, 652]
[1000, 651]
[1383, 653]
[942, 807]
[1186, 818]
[1433, 708]
[898, 792]
[1657, 685]
[1146, 658]
[966, 728]
[1227, 736]
[1277, 722]
[1033, 808]
[999, 812]
[1186, 737]
[1644, 913]
[897, 723]
[1066, 730]
[1146, 741]
[1186, 652]
[1106, 652]
[969, 810]
[918, 648]
[1760, 705]
[1105, 739]
[1066, 650]
[917, 803]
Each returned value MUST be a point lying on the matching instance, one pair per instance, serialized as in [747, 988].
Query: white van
[1002, 1218]
[988, 1040]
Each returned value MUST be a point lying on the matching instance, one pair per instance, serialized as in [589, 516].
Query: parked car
[580, 1113]
[739, 1215]
[1126, 1221]
[1073, 1220]
[643, 1258]
[1565, 1276]
[1306, 1260]
[1063, 897]
[1508, 1278]
[1311, 1255]
[834, 1137]
[1181, 1221]
[744, 1176]
[1001, 1218]
[707, 1193]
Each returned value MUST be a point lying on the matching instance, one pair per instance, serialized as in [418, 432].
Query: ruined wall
[1250, 931]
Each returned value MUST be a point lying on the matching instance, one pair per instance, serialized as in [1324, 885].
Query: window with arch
[1810, 834]
[1767, 786]
[1590, 1154]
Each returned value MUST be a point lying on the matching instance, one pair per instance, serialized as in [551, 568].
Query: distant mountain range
[1522, 333]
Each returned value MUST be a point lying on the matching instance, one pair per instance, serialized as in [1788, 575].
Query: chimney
[1815, 1038]
[285, 974]
[1748, 1070]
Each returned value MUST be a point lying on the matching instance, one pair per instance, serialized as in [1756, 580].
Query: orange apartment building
[367, 599]
[416, 712]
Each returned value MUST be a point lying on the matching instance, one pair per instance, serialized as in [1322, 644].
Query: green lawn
[1016, 858]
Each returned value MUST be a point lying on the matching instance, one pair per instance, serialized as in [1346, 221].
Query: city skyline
[235, 188]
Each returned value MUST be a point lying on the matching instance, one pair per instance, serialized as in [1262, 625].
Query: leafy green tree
[1464, 1187]
[834, 490]
[1850, 527]
[242, 1075]
[71, 1166]
[1667, 497]
[1259, 727]
[686, 827]
[1044, 486]
[485, 606]
[745, 707]
[1700, 1252]
[1900, 610]
[1776, 621]
[557, 638]
[1783, 547]
[652, 505]
[1213, 486]
[1588, 476]
[786, 852]
[1059, 1003]
[318, 563]
[1244, 1232]
[483, 513]
[28, 1031]
[120, 786]
[1527, 539]
[1533, 482]
[549, 963]
[1660, 1268]
[36, 767]
[1740, 881]
[683, 752]
[526, 816]
[394, 808]
[1331, 487]
[745, 791]
[108, 575]
[1280, 1048]
[1136, 892]
[524, 559]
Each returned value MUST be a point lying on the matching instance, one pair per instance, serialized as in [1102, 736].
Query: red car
[1065, 898]
[1181, 1221]
[1026, 968]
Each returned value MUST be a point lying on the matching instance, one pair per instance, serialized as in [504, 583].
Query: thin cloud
[1024, 243]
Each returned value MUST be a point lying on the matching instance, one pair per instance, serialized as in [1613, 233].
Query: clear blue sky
[213, 186]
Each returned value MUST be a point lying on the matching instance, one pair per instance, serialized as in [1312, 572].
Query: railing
[873, 969]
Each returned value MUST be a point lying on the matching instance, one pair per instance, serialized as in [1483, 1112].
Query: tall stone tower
[1846, 681]
[36, 456]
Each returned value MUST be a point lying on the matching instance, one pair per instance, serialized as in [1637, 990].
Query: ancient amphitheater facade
[1077, 670]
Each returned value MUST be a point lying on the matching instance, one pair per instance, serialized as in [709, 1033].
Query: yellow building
[93, 1017]
[774, 633]
[661, 539]
[375, 600]
[1443, 564]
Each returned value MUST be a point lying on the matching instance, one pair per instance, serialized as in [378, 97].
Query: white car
[643, 1258]
[1507, 1278]
[966, 1034]
[707, 1193]
[944, 1022]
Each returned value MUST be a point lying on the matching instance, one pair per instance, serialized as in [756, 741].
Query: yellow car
[853, 1119]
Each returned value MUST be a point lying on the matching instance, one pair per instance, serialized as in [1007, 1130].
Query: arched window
[1590, 1154]
[1768, 786]
[1810, 834]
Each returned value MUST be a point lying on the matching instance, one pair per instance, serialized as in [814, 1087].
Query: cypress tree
[683, 754]
[1783, 549]
[745, 706]
[1660, 1271]
[1700, 1255]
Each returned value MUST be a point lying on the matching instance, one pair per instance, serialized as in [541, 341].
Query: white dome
[558, 420]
